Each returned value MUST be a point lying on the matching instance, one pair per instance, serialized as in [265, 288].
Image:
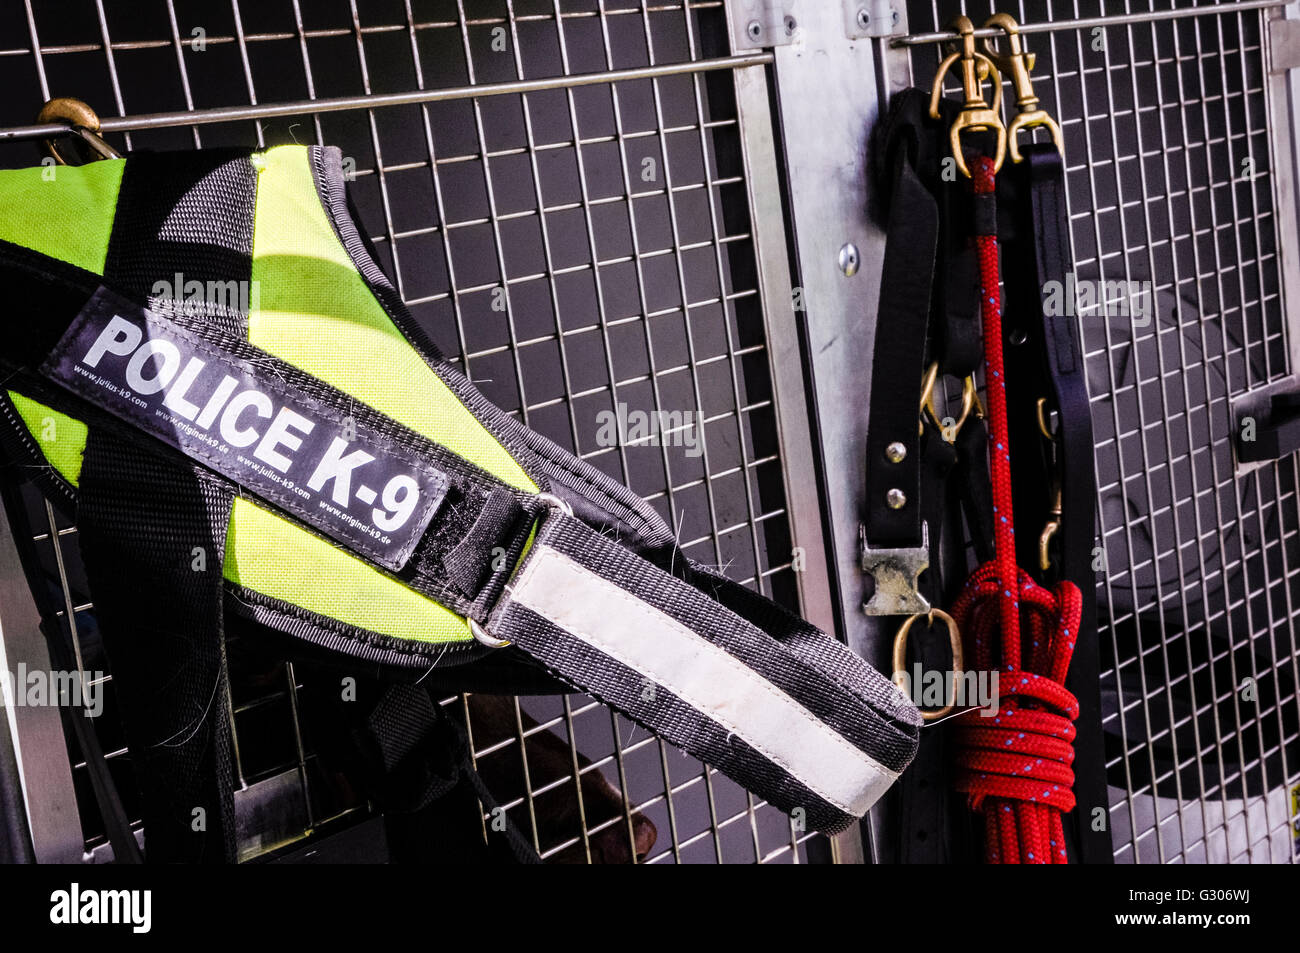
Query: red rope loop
[1015, 767]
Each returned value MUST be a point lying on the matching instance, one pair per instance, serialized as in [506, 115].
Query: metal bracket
[758, 24]
[1259, 405]
[896, 572]
[869, 19]
[1283, 45]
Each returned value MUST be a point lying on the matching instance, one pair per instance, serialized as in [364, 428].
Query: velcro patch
[235, 417]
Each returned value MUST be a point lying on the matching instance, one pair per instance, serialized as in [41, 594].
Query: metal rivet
[896, 18]
[849, 259]
[896, 452]
[1018, 336]
[896, 499]
[755, 29]
[864, 19]
[790, 26]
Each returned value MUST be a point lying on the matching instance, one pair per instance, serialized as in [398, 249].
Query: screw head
[849, 259]
[755, 29]
[896, 499]
[896, 452]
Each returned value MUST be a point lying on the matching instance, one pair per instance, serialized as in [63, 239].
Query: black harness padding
[847, 732]
[1044, 357]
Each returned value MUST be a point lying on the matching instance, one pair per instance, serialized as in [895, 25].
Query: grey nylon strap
[805, 723]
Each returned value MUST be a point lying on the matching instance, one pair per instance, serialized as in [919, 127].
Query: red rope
[1015, 766]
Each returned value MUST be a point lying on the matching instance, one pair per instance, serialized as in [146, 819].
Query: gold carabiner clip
[970, 401]
[976, 114]
[82, 121]
[1018, 62]
[1050, 528]
[1053, 524]
[900, 658]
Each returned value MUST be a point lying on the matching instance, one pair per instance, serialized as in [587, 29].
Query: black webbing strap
[902, 325]
[417, 762]
[802, 721]
[153, 536]
[922, 795]
[1045, 360]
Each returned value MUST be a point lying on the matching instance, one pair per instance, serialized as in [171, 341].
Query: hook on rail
[976, 115]
[1018, 62]
[82, 121]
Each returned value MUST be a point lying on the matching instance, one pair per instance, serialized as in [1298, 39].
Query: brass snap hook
[82, 121]
[1018, 62]
[976, 114]
[1050, 529]
[900, 658]
[970, 402]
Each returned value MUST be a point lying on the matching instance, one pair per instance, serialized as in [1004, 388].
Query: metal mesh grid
[1171, 182]
[574, 248]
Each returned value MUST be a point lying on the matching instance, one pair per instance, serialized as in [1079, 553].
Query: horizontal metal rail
[1088, 23]
[301, 107]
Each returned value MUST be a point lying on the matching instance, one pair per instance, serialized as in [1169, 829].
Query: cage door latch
[1283, 45]
[1267, 422]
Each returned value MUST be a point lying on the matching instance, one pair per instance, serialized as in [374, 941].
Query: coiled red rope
[1015, 767]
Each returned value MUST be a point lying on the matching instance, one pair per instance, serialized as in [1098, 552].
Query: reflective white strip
[704, 676]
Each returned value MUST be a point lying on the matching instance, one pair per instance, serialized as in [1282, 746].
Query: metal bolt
[864, 19]
[755, 29]
[896, 452]
[849, 259]
[896, 499]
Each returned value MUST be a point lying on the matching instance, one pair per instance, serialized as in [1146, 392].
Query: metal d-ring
[82, 121]
[954, 642]
[554, 504]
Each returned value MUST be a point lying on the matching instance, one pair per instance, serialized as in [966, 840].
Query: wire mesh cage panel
[582, 248]
[1172, 182]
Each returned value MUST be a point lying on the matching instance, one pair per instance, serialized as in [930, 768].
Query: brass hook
[927, 395]
[1053, 524]
[82, 121]
[1018, 62]
[900, 658]
[1050, 528]
[1043, 414]
[976, 114]
[969, 402]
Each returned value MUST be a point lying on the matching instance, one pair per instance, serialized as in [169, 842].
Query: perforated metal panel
[576, 246]
[1173, 182]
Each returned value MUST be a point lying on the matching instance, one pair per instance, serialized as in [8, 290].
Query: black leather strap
[1045, 360]
[902, 324]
